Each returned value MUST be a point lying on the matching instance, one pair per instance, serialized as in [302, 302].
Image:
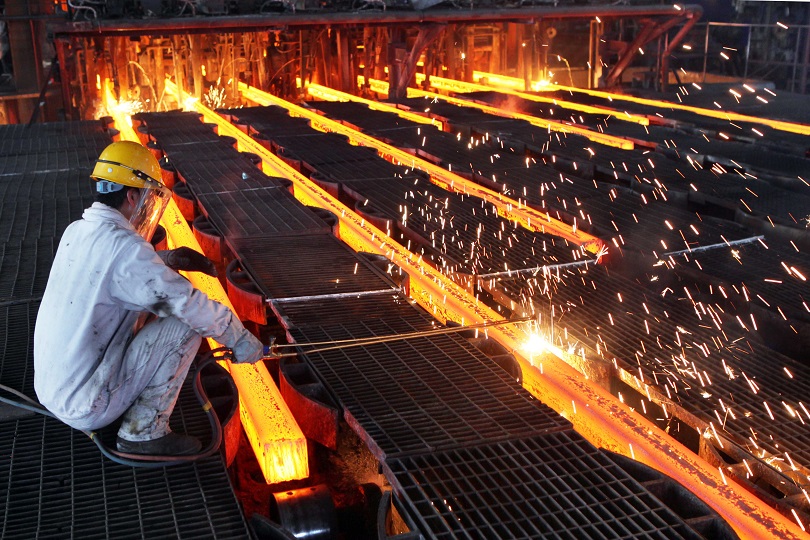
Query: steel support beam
[652, 30]
[691, 20]
[407, 65]
[252, 23]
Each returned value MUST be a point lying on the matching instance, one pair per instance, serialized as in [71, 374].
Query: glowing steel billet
[274, 435]
[329, 94]
[595, 414]
[277, 441]
[595, 136]
[442, 83]
[781, 125]
[526, 216]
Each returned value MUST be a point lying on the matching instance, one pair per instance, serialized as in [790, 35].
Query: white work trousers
[157, 362]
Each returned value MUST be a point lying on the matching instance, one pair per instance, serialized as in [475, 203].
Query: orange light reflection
[792, 127]
[277, 441]
[505, 87]
[526, 216]
[599, 416]
[595, 136]
[330, 94]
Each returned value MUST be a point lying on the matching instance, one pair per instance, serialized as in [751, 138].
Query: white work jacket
[104, 276]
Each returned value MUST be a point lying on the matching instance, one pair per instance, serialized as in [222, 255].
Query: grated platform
[547, 486]
[278, 270]
[423, 394]
[259, 213]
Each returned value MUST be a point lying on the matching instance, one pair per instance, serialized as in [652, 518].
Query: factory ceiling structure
[524, 271]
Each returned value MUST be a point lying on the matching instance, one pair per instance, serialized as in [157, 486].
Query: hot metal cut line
[510, 209]
[792, 127]
[276, 438]
[601, 138]
[442, 83]
[595, 414]
[330, 94]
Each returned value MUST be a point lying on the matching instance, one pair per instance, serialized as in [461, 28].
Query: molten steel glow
[608, 140]
[277, 441]
[791, 127]
[594, 412]
[513, 210]
[536, 345]
[506, 87]
[328, 94]
[274, 435]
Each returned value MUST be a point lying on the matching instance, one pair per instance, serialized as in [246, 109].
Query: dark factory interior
[524, 268]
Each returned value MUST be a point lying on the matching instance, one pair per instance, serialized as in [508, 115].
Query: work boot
[171, 444]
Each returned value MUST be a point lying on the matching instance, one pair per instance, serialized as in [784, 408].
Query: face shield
[149, 209]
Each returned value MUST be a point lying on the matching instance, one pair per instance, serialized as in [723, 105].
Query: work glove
[247, 349]
[185, 258]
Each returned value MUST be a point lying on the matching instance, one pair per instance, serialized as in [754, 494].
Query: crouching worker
[94, 358]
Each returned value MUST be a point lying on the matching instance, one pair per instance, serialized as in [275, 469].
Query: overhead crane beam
[275, 437]
[528, 217]
[381, 87]
[498, 81]
[595, 413]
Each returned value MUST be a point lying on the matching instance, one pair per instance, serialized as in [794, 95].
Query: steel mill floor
[698, 316]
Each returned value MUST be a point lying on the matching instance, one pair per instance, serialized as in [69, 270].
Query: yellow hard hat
[126, 163]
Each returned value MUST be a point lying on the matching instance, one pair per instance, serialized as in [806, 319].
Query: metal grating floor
[471, 237]
[743, 152]
[217, 175]
[749, 392]
[322, 152]
[45, 218]
[652, 170]
[359, 170]
[170, 120]
[423, 394]
[334, 311]
[54, 483]
[259, 213]
[38, 145]
[548, 486]
[406, 398]
[643, 220]
[54, 130]
[24, 268]
[463, 229]
[330, 267]
[73, 184]
[58, 160]
[771, 276]
[17, 318]
[264, 118]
